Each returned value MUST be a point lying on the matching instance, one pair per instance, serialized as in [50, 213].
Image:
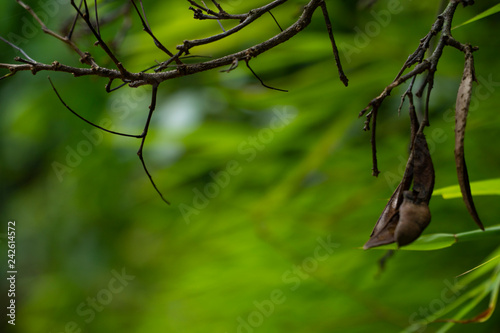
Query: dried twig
[86, 17]
[152, 107]
[86, 120]
[343, 77]
[260, 80]
[146, 28]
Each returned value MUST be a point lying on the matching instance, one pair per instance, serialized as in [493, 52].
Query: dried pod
[461, 111]
[414, 217]
[383, 232]
[423, 170]
[407, 214]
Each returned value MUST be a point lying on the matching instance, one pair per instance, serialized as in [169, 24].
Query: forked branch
[172, 67]
[422, 65]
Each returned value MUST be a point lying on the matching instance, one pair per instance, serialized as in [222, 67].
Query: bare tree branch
[171, 68]
[140, 78]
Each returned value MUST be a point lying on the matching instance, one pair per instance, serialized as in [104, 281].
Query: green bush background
[310, 180]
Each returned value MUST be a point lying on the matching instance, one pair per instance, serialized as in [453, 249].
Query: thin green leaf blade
[440, 241]
[483, 187]
[493, 10]
[424, 243]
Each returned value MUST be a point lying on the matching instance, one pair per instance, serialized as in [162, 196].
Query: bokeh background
[266, 222]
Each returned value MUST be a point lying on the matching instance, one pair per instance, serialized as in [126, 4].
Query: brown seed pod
[414, 217]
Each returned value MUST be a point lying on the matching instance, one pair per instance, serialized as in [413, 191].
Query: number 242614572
[11, 253]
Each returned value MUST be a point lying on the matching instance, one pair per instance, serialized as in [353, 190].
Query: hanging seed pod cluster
[407, 213]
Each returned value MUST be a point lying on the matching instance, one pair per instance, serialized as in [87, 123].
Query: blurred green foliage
[250, 253]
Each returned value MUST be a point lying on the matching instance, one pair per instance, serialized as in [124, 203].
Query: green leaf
[424, 243]
[470, 294]
[483, 187]
[493, 10]
[440, 241]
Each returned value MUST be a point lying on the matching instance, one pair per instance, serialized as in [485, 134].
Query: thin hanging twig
[342, 76]
[260, 80]
[88, 121]
[276, 21]
[144, 135]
